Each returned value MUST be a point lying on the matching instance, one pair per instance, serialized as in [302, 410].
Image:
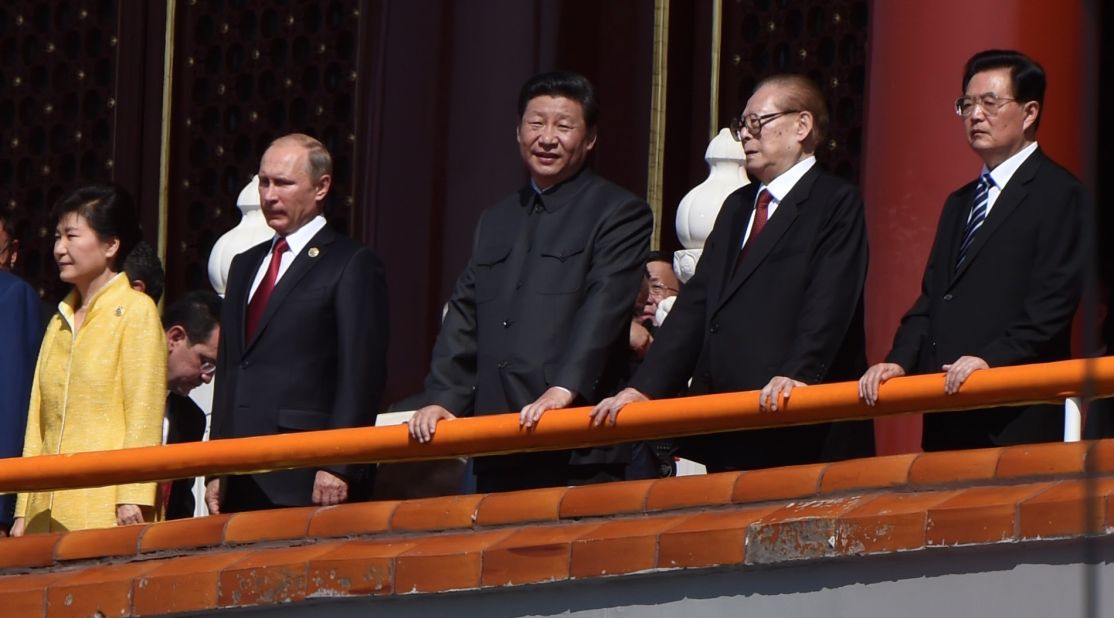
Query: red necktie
[761, 215]
[263, 293]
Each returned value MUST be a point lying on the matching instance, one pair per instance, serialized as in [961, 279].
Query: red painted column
[915, 149]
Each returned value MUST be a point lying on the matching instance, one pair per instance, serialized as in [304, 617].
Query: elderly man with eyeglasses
[1005, 274]
[776, 302]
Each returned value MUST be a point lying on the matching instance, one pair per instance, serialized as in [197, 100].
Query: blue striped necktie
[978, 215]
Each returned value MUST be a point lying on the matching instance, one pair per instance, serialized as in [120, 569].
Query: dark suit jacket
[318, 358]
[185, 423]
[793, 308]
[19, 347]
[1011, 302]
[556, 314]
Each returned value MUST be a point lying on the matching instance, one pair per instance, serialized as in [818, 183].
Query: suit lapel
[301, 265]
[1008, 200]
[778, 224]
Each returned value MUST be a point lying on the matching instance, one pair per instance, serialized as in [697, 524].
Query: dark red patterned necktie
[263, 293]
[761, 215]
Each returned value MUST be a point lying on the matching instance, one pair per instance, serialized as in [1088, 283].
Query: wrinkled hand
[875, 377]
[424, 422]
[960, 370]
[18, 526]
[773, 392]
[128, 514]
[553, 397]
[640, 339]
[608, 409]
[212, 496]
[329, 489]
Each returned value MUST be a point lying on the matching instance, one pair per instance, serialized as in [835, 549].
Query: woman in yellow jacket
[100, 381]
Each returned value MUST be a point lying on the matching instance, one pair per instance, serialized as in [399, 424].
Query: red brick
[1063, 509]
[25, 595]
[32, 550]
[708, 539]
[1037, 460]
[954, 467]
[104, 589]
[517, 507]
[351, 519]
[193, 532]
[444, 513]
[799, 531]
[356, 567]
[442, 563]
[778, 483]
[269, 576]
[531, 555]
[271, 525]
[887, 523]
[979, 515]
[620, 546]
[605, 499]
[98, 543]
[183, 584]
[872, 473]
[689, 491]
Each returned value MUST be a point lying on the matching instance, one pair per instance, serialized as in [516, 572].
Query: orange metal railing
[558, 429]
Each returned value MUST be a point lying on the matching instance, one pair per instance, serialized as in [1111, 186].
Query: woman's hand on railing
[778, 388]
[128, 514]
[874, 377]
[18, 527]
[960, 370]
[424, 422]
[608, 409]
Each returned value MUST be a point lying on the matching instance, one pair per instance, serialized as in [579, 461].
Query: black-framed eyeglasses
[753, 123]
[990, 103]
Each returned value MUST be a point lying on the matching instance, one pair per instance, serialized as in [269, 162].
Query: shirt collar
[299, 239]
[555, 197]
[783, 184]
[1006, 169]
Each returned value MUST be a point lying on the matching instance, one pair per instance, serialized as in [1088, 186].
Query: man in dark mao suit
[304, 332]
[539, 319]
[776, 302]
[1005, 273]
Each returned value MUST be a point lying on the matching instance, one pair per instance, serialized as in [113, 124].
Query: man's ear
[1032, 110]
[139, 285]
[805, 122]
[176, 335]
[323, 185]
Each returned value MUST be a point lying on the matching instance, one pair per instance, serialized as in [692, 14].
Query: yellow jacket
[102, 390]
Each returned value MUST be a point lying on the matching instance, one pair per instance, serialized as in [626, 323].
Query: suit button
[506, 323]
[714, 328]
[502, 365]
[947, 297]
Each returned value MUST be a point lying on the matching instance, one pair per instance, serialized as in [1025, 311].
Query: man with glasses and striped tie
[1005, 273]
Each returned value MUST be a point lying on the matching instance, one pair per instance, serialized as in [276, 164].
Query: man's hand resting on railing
[554, 397]
[960, 370]
[329, 489]
[608, 409]
[212, 496]
[874, 377]
[424, 422]
[775, 390]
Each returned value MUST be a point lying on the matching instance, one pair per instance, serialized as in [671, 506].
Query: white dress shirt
[296, 241]
[779, 188]
[1003, 173]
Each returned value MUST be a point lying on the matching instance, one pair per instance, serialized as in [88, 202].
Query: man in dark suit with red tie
[1005, 273]
[776, 302]
[303, 334]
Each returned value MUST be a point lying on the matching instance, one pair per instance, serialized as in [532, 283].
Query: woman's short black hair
[110, 211]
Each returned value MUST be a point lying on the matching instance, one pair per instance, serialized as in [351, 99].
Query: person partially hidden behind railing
[776, 302]
[1005, 274]
[540, 317]
[100, 381]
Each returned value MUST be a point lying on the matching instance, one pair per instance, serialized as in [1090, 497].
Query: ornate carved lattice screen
[57, 116]
[823, 39]
[244, 74]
